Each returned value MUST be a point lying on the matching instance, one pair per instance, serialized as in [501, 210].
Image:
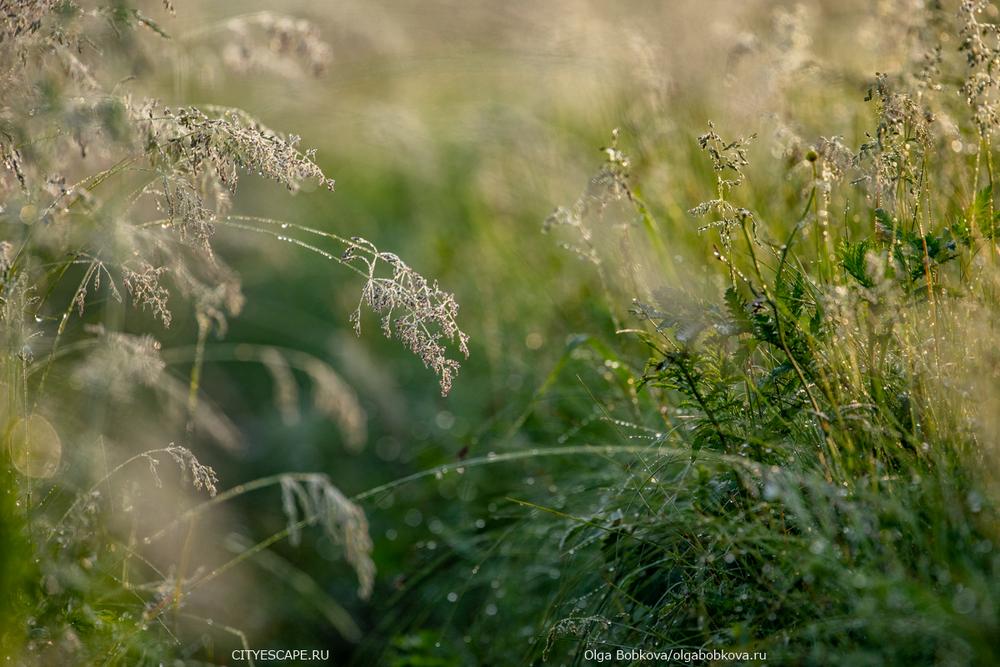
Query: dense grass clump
[819, 482]
[735, 401]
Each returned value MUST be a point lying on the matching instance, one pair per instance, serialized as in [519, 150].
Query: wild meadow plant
[804, 461]
[789, 447]
[111, 200]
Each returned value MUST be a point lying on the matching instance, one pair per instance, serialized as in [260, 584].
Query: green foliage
[787, 444]
[815, 483]
[853, 257]
[983, 214]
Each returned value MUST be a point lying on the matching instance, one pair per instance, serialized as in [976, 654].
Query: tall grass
[818, 402]
[774, 430]
[110, 201]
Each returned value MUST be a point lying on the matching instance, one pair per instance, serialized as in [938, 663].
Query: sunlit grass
[730, 381]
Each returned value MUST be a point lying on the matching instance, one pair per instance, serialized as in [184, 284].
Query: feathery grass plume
[144, 287]
[185, 207]
[23, 17]
[599, 225]
[980, 42]
[214, 289]
[84, 508]
[893, 155]
[120, 362]
[835, 159]
[609, 185]
[201, 476]
[256, 39]
[414, 310]
[333, 397]
[6, 256]
[315, 500]
[792, 39]
[777, 61]
[224, 141]
[286, 390]
[729, 158]
[12, 163]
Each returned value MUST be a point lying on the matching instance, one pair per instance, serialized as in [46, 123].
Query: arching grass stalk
[570, 450]
[143, 456]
